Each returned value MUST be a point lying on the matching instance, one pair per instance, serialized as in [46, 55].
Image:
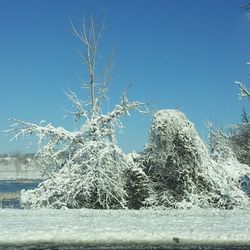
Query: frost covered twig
[90, 40]
[102, 88]
[79, 104]
[244, 91]
[123, 109]
[22, 128]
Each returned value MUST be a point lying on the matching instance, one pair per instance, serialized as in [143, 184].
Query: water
[10, 186]
[10, 191]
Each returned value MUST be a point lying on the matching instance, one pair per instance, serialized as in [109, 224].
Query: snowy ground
[105, 229]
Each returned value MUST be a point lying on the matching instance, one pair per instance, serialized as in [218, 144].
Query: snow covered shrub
[92, 177]
[137, 183]
[219, 144]
[175, 156]
[235, 174]
[180, 168]
[83, 168]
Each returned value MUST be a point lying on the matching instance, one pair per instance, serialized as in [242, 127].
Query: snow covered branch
[244, 91]
[90, 41]
[22, 128]
[53, 143]
[80, 106]
[123, 109]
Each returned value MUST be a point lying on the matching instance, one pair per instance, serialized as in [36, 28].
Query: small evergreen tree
[239, 137]
[138, 184]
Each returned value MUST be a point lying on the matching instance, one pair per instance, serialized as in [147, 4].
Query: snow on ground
[125, 228]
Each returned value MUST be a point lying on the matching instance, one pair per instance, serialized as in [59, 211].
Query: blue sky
[181, 54]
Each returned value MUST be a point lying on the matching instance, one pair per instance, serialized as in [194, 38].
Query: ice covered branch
[102, 88]
[244, 91]
[53, 143]
[123, 109]
[90, 39]
[80, 106]
[22, 128]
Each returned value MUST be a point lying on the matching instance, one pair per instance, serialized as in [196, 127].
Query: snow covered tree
[83, 168]
[235, 172]
[239, 134]
[239, 138]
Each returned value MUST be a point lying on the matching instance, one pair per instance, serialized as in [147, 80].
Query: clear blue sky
[181, 54]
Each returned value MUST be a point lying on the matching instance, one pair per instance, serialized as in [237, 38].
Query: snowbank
[124, 227]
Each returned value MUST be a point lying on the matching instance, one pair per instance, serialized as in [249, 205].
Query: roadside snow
[124, 227]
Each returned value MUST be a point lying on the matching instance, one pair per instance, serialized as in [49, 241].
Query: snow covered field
[105, 229]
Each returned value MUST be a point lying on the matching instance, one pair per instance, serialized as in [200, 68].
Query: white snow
[124, 227]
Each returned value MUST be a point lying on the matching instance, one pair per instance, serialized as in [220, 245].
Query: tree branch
[22, 128]
[82, 112]
[244, 91]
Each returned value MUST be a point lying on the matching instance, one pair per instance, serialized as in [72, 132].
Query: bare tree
[90, 40]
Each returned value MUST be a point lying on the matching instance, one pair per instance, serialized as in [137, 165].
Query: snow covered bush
[175, 156]
[236, 174]
[83, 168]
[138, 184]
[92, 177]
[181, 170]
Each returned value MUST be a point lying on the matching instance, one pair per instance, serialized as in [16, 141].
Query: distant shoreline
[22, 167]
[18, 181]
[10, 191]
